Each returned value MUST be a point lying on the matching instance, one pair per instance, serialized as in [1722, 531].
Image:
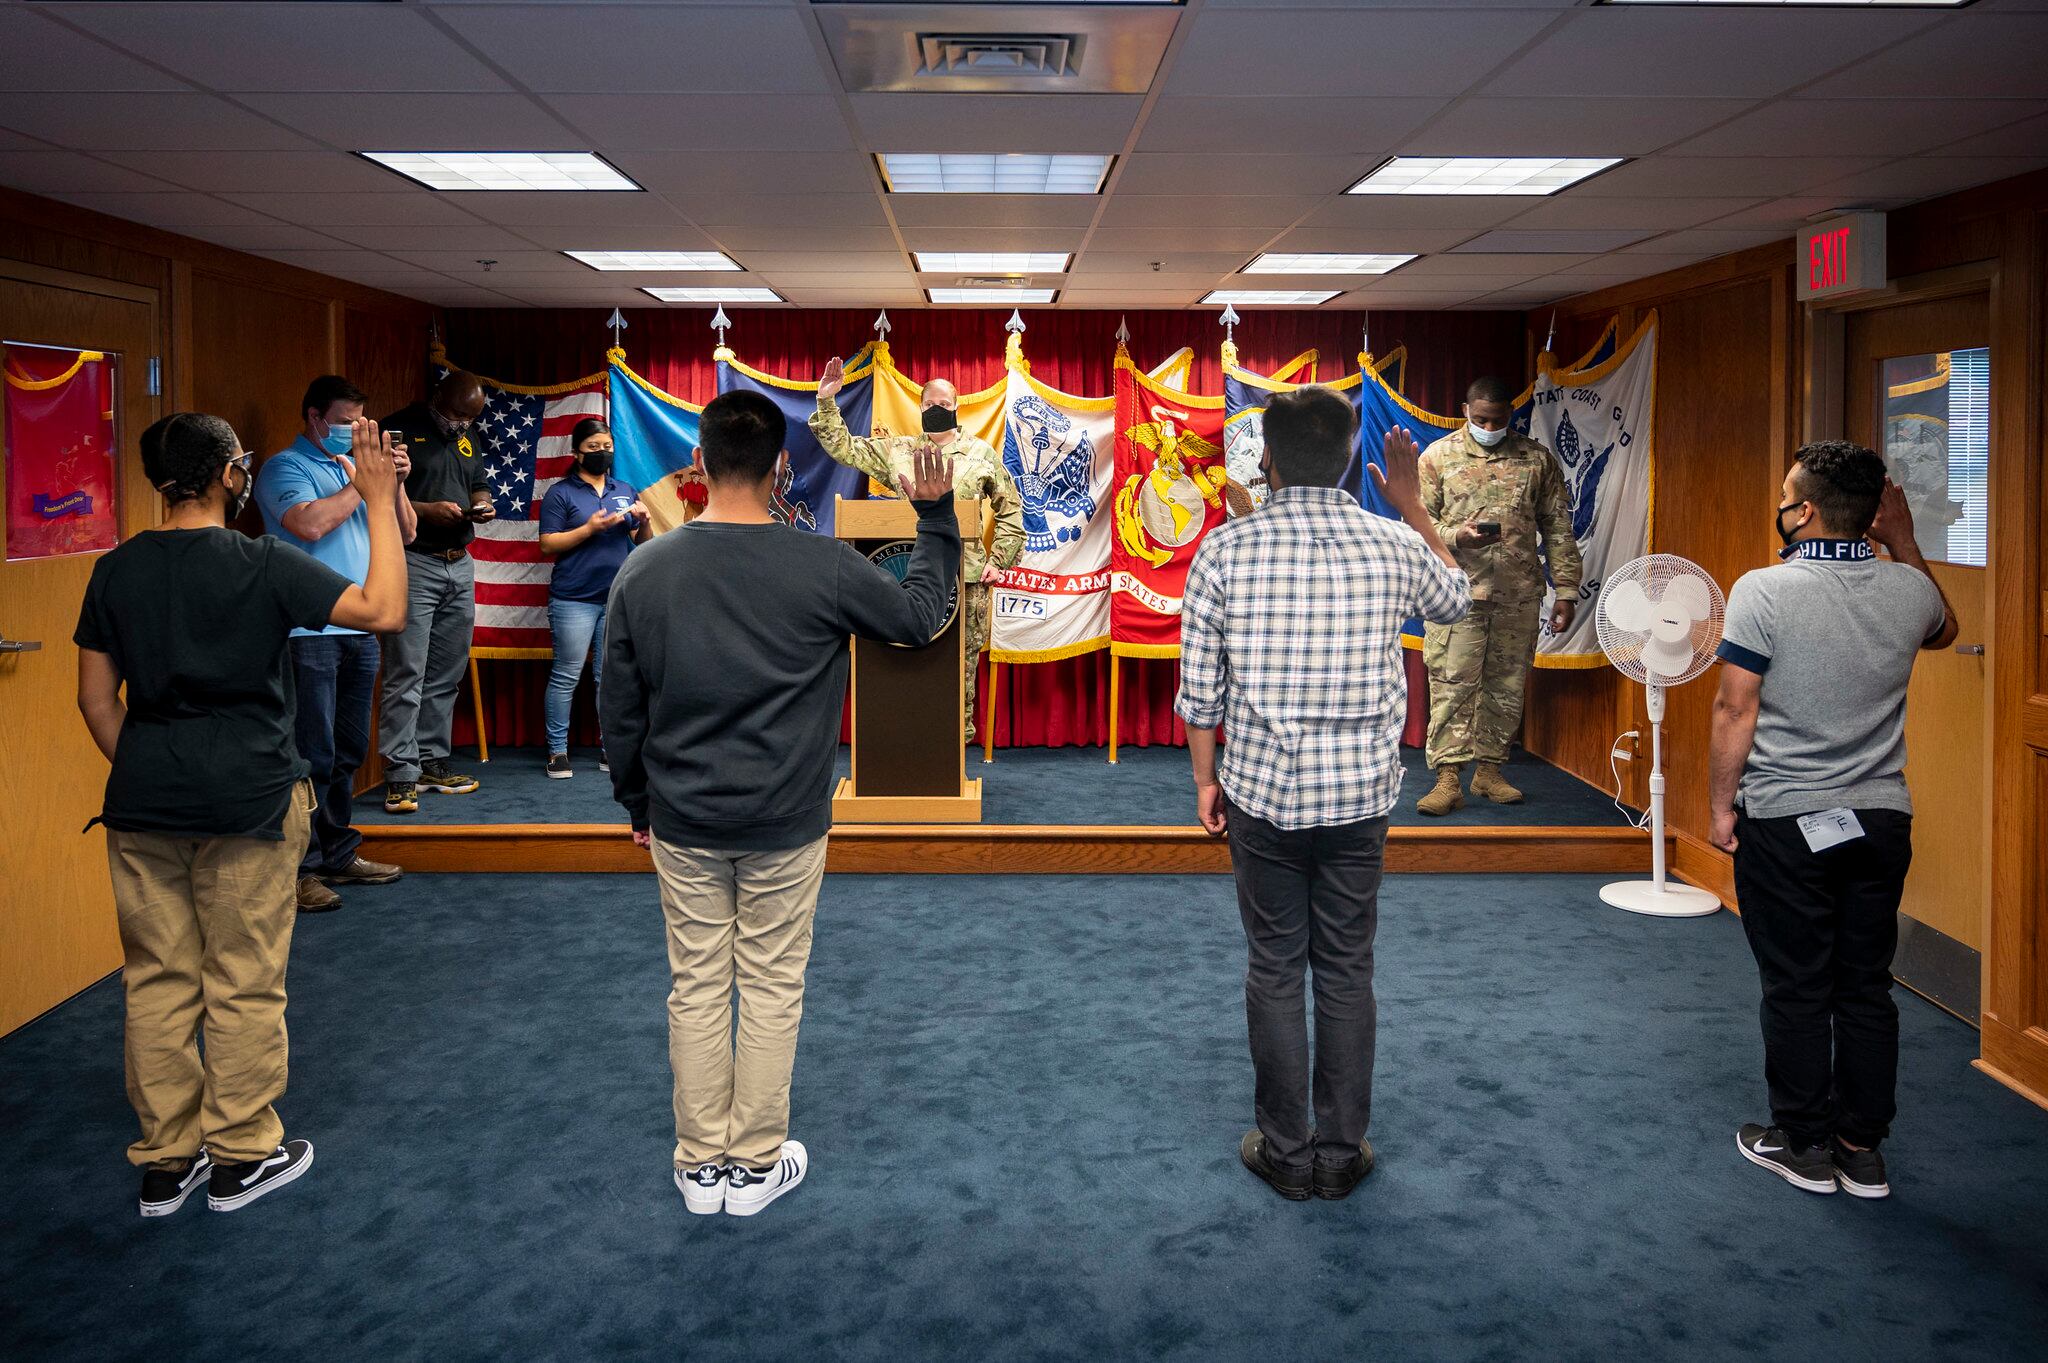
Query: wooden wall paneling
[386, 356]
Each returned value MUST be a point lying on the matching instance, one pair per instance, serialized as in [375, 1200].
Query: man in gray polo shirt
[1808, 793]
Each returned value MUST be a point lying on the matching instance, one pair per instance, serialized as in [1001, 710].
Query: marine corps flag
[1167, 493]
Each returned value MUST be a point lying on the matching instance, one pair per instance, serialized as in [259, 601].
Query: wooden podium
[909, 762]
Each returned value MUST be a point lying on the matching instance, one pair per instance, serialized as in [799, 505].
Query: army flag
[1167, 493]
[813, 483]
[1597, 422]
[656, 439]
[1060, 451]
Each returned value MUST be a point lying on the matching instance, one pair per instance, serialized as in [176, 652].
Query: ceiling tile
[1488, 126]
[273, 236]
[995, 123]
[313, 210]
[840, 279]
[859, 262]
[1169, 172]
[696, 49]
[786, 237]
[992, 239]
[1332, 52]
[137, 122]
[721, 123]
[1520, 240]
[1146, 280]
[255, 171]
[520, 264]
[1509, 265]
[612, 236]
[1707, 50]
[816, 210]
[686, 173]
[1924, 177]
[1706, 241]
[1165, 239]
[1664, 214]
[1785, 215]
[38, 56]
[420, 122]
[370, 48]
[518, 207]
[1262, 123]
[327, 262]
[1377, 240]
[2004, 54]
[1466, 213]
[854, 298]
[68, 172]
[1856, 127]
[2025, 138]
[168, 210]
[994, 211]
[1728, 176]
[475, 238]
[1132, 298]
[1273, 211]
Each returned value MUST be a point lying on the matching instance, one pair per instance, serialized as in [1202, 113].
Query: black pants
[1309, 899]
[335, 676]
[1823, 927]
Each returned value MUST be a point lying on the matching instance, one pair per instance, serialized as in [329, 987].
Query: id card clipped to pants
[1830, 828]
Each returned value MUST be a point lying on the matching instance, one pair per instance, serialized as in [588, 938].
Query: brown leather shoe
[1447, 796]
[1489, 784]
[315, 897]
[363, 871]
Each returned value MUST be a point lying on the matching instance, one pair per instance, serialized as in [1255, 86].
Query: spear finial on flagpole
[721, 324]
[1123, 331]
[1365, 337]
[882, 327]
[618, 323]
[1013, 347]
[1551, 339]
[1229, 321]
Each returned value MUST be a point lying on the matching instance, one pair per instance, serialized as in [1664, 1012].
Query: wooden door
[1917, 391]
[57, 931]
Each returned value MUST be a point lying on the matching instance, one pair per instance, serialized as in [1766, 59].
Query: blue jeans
[334, 675]
[577, 625]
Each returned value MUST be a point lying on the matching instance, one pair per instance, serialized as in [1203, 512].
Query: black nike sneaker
[1860, 1172]
[1808, 1167]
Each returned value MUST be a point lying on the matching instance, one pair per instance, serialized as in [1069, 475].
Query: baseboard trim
[2039, 1100]
[1696, 861]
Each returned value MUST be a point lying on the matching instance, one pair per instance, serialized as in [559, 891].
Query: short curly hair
[183, 454]
[1844, 481]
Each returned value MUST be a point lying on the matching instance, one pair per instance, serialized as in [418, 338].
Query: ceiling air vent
[992, 281]
[1015, 55]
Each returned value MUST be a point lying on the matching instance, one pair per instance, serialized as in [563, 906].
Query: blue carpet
[1023, 1097]
[1022, 786]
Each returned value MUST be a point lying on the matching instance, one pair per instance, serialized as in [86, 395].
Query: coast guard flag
[523, 438]
[656, 438]
[1597, 422]
[1060, 450]
[807, 494]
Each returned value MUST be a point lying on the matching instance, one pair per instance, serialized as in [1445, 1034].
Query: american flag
[523, 439]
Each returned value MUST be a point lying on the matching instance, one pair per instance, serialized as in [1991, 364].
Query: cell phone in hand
[1487, 527]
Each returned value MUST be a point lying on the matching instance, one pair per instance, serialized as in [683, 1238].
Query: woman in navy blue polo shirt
[589, 522]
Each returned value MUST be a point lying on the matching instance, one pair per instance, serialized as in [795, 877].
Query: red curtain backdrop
[1043, 704]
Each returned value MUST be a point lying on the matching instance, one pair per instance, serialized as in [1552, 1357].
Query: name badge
[1829, 828]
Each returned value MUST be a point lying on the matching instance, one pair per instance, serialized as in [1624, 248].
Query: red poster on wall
[59, 439]
[1169, 483]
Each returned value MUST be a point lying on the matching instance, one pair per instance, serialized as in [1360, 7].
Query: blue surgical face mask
[339, 440]
[1485, 437]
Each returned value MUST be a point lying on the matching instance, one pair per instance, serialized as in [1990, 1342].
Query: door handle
[1973, 650]
[21, 645]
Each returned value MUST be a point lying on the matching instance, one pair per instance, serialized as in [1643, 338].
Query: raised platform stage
[1049, 810]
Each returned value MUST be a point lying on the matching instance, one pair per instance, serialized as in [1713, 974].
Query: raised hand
[1395, 474]
[832, 380]
[1893, 528]
[370, 470]
[930, 478]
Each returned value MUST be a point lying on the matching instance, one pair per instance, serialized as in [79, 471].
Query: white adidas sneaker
[703, 1188]
[747, 1191]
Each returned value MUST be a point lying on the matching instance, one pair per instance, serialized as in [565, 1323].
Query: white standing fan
[1659, 621]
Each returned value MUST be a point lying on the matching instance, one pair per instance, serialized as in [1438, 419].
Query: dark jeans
[1310, 900]
[1823, 927]
[335, 676]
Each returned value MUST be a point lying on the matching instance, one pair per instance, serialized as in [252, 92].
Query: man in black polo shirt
[424, 663]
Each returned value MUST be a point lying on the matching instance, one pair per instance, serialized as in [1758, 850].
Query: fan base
[1665, 901]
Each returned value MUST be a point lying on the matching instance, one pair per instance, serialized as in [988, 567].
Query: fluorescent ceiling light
[991, 295]
[1271, 297]
[1008, 173]
[992, 262]
[1481, 174]
[1316, 262]
[504, 169]
[713, 295]
[655, 260]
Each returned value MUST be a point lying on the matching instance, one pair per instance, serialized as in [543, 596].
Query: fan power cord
[1615, 758]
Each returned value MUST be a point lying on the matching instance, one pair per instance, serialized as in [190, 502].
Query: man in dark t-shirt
[208, 808]
[423, 664]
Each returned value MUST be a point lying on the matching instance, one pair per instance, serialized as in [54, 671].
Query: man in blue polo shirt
[307, 500]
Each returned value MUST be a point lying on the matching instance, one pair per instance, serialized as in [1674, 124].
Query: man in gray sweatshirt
[726, 660]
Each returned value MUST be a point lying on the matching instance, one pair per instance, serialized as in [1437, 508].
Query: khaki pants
[1478, 667]
[206, 926]
[745, 918]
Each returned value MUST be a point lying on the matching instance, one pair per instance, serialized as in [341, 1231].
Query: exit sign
[1840, 256]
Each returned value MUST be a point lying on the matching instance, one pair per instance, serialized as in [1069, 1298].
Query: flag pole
[1116, 678]
[988, 723]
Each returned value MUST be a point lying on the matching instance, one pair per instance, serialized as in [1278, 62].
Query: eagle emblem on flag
[1051, 463]
[1163, 505]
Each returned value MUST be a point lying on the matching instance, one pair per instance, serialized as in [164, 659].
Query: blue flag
[815, 480]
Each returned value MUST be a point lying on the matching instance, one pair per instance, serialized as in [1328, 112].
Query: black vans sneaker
[165, 1190]
[235, 1186]
[703, 1188]
[1808, 1168]
[1292, 1184]
[749, 1190]
[1860, 1172]
[1336, 1181]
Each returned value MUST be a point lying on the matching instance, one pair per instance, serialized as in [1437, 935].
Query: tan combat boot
[1489, 783]
[1446, 797]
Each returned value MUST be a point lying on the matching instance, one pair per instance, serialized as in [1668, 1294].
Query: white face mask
[1485, 437]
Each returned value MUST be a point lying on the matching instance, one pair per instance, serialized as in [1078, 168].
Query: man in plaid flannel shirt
[1291, 639]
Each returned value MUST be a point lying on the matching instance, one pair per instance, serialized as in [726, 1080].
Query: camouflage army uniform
[1479, 665]
[977, 472]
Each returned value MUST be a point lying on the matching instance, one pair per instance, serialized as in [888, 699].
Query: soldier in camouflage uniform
[1485, 473]
[977, 472]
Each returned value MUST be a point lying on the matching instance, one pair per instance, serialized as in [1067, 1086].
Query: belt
[445, 555]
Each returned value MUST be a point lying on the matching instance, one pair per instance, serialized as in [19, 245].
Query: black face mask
[239, 501]
[1778, 522]
[939, 420]
[598, 462]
